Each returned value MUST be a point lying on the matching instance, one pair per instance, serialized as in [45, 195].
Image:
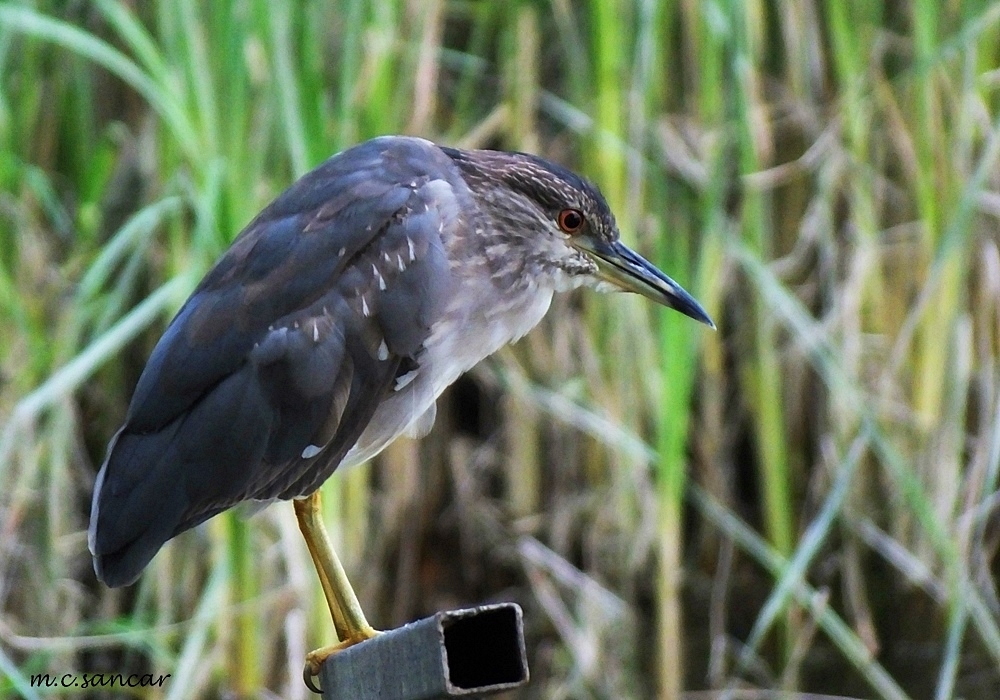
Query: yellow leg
[348, 618]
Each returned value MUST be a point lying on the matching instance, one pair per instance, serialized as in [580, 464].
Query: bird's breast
[478, 321]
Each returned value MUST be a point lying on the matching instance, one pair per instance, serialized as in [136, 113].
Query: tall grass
[802, 501]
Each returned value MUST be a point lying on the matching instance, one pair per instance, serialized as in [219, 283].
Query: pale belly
[454, 347]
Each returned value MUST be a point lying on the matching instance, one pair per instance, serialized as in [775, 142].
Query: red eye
[571, 220]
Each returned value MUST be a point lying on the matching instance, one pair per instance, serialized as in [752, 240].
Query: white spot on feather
[381, 279]
[383, 351]
[315, 332]
[340, 253]
[311, 451]
[409, 247]
[401, 264]
[404, 379]
[364, 307]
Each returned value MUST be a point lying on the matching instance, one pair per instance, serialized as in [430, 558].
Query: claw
[317, 657]
[309, 672]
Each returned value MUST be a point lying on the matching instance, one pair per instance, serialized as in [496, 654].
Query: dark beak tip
[680, 300]
[696, 312]
[703, 317]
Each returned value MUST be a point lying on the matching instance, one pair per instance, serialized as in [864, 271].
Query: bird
[330, 327]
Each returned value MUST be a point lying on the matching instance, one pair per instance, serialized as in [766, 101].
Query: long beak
[629, 271]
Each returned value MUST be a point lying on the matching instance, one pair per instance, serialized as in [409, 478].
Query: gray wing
[273, 368]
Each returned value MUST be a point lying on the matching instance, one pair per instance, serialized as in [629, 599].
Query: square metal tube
[456, 653]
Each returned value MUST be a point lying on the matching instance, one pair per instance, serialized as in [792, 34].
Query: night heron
[331, 326]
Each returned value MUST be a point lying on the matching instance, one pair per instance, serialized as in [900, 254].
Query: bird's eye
[571, 220]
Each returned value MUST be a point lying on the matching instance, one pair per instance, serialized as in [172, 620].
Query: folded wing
[273, 368]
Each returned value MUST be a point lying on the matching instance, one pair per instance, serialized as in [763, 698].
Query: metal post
[457, 653]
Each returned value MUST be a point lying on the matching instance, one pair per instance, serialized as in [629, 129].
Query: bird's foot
[317, 657]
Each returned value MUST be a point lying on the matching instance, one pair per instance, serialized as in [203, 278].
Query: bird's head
[560, 224]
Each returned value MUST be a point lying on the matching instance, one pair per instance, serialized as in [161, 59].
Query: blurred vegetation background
[804, 501]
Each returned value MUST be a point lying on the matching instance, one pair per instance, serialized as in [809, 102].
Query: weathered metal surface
[457, 653]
